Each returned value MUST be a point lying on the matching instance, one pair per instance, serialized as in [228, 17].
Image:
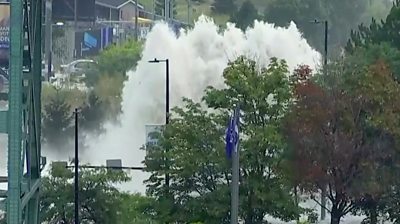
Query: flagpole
[235, 178]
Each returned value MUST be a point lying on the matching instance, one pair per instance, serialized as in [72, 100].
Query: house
[116, 10]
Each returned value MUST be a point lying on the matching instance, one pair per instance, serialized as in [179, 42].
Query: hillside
[203, 8]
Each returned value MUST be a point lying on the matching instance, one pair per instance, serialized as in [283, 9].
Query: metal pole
[48, 37]
[136, 21]
[76, 14]
[166, 10]
[326, 46]
[167, 111]
[76, 190]
[188, 13]
[323, 191]
[235, 181]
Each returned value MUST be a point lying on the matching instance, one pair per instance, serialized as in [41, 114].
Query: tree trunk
[373, 216]
[335, 216]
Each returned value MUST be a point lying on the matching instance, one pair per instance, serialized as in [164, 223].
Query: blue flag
[232, 134]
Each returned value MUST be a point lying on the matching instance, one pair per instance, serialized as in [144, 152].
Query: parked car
[78, 67]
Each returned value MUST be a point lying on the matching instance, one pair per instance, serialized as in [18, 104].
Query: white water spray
[197, 59]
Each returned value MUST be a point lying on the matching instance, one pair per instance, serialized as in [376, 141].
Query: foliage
[224, 6]
[100, 201]
[367, 55]
[108, 89]
[199, 171]
[57, 121]
[245, 16]
[339, 134]
[118, 59]
[377, 32]
[137, 209]
[93, 114]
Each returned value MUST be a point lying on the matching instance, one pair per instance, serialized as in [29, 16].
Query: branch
[323, 206]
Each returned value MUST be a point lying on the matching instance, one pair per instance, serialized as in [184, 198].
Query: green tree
[118, 59]
[246, 15]
[100, 200]
[224, 6]
[57, 121]
[93, 114]
[108, 89]
[200, 173]
[377, 32]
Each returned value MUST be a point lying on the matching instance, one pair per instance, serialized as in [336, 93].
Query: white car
[78, 67]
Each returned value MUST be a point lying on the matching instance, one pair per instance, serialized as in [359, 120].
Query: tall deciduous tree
[200, 173]
[339, 133]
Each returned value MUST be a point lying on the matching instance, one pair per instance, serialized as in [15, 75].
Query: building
[116, 10]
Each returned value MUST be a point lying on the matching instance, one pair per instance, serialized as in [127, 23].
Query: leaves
[100, 200]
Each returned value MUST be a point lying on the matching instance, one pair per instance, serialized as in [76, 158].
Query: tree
[93, 114]
[223, 6]
[200, 174]
[118, 59]
[100, 200]
[108, 89]
[338, 134]
[377, 32]
[57, 121]
[137, 209]
[245, 16]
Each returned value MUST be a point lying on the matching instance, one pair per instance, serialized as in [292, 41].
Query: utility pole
[76, 173]
[48, 38]
[166, 10]
[167, 178]
[325, 22]
[75, 24]
[136, 21]
[76, 14]
[188, 12]
[323, 192]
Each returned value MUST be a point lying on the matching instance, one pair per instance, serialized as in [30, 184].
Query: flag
[232, 134]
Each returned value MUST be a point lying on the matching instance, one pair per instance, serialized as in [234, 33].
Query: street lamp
[325, 22]
[166, 102]
[166, 86]
[76, 173]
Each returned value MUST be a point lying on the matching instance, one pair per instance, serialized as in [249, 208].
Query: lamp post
[166, 102]
[76, 173]
[325, 22]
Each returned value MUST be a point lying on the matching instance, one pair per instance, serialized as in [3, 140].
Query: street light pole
[166, 107]
[323, 191]
[326, 48]
[76, 173]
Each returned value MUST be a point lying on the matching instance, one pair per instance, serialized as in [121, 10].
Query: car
[78, 67]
